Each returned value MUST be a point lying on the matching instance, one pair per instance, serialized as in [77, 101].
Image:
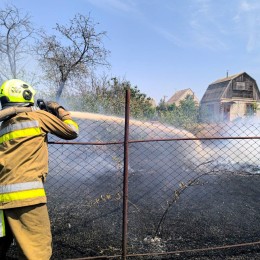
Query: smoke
[156, 164]
[237, 155]
[165, 163]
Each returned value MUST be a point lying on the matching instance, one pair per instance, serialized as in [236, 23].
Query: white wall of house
[238, 109]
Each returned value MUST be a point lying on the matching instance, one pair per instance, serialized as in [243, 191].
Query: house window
[242, 89]
[243, 86]
[239, 86]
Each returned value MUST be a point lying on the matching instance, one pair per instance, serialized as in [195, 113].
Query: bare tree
[78, 50]
[15, 32]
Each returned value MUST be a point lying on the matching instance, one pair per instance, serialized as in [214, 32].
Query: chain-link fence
[188, 195]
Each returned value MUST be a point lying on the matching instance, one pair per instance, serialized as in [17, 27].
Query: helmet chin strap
[12, 104]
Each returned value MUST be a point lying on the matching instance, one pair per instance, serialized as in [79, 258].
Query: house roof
[227, 78]
[217, 88]
[178, 95]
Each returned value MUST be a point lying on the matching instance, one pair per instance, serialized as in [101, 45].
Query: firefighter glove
[58, 110]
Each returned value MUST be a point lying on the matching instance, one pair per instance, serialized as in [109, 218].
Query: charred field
[214, 218]
[184, 196]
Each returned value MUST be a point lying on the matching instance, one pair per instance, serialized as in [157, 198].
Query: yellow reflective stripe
[2, 223]
[21, 195]
[72, 123]
[20, 133]
[19, 126]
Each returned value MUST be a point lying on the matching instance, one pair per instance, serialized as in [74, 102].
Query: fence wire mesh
[187, 190]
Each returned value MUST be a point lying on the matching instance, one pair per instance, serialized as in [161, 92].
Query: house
[180, 95]
[229, 98]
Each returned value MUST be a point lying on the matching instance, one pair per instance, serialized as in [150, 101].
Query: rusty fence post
[125, 184]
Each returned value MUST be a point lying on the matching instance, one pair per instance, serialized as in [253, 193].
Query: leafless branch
[78, 49]
[16, 30]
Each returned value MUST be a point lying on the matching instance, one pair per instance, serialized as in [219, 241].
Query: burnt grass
[85, 202]
[215, 212]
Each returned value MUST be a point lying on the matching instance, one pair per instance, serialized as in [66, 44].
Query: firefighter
[23, 169]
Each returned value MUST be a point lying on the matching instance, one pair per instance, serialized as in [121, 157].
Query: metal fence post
[125, 184]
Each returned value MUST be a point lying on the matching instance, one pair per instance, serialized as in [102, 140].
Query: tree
[104, 95]
[185, 115]
[113, 100]
[162, 106]
[188, 112]
[78, 49]
[15, 33]
[140, 105]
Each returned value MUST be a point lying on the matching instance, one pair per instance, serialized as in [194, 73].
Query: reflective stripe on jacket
[72, 124]
[18, 130]
[24, 156]
[21, 191]
[2, 223]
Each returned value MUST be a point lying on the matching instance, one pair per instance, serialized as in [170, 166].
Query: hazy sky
[166, 45]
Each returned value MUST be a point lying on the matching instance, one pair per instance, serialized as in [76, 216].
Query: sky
[162, 46]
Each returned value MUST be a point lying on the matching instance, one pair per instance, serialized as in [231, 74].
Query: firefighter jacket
[24, 156]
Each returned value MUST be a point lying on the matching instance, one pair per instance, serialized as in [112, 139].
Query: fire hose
[11, 111]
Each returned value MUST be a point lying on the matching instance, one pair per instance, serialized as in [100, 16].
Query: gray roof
[227, 78]
[217, 88]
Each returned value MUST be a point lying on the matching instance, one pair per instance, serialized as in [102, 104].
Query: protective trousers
[30, 226]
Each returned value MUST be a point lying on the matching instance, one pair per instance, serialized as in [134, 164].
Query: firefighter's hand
[53, 107]
[57, 110]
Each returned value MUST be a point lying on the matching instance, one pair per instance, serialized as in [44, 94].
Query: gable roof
[179, 95]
